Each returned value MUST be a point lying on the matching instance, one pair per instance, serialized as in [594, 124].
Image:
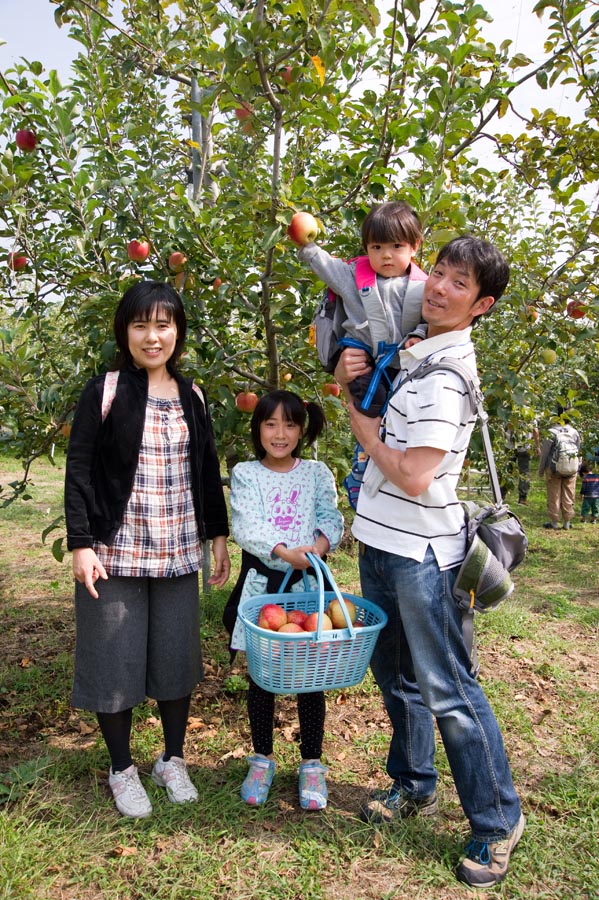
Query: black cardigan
[102, 460]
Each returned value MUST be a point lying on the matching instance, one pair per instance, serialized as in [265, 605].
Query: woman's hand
[222, 563]
[87, 568]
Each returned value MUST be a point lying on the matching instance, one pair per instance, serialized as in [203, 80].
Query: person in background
[561, 488]
[282, 507]
[589, 492]
[142, 492]
[521, 451]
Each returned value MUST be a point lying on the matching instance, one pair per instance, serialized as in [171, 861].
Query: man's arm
[411, 470]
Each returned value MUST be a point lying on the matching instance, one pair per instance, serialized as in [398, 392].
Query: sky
[28, 29]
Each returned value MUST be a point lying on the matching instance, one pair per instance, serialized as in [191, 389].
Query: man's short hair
[482, 259]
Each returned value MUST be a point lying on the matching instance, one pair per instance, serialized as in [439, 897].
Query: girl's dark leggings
[311, 710]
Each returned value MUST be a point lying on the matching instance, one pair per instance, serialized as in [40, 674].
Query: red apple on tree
[287, 74]
[331, 389]
[17, 261]
[576, 309]
[138, 250]
[246, 401]
[26, 139]
[216, 283]
[177, 261]
[244, 111]
[303, 228]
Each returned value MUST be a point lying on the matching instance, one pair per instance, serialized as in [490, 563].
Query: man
[520, 450]
[563, 440]
[412, 541]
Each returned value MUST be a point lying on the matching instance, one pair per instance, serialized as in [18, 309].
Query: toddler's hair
[585, 469]
[296, 411]
[138, 304]
[394, 222]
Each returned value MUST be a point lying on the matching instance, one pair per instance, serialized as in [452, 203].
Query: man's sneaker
[553, 525]
[173, 776]
[567, 525]
[486, 864]
[129, 793]
[258, 780]
[384, 806]
[313, 792]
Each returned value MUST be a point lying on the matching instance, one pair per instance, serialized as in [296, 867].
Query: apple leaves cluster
[201, 127]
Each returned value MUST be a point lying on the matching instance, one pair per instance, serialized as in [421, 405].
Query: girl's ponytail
[316, 422]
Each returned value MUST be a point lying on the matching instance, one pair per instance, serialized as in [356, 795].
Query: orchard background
[200, 127]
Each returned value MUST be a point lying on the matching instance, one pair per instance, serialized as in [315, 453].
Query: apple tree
[201, 128]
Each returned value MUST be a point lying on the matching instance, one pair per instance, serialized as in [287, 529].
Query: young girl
[142, 490]
[282, 508]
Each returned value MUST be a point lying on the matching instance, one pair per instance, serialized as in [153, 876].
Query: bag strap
[477, 405]
[108, 392]
[198, 391]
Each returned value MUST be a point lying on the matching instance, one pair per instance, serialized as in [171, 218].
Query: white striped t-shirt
[432, 412]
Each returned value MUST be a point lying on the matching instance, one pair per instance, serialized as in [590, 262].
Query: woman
[142, 491]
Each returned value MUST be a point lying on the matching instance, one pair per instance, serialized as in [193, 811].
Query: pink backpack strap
[365, 274]
[198, 391]
[416, 273]
[110, 383]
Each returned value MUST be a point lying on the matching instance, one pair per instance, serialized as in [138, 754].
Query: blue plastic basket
[310, 661]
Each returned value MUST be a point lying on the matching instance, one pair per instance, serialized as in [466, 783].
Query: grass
[60, 836]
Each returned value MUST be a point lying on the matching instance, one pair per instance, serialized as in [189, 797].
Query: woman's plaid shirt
[158, 536]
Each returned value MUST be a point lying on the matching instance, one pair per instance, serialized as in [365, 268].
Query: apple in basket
[311, 623]
[297, 617]
[335, 613]
[291, 628]
[271, 617]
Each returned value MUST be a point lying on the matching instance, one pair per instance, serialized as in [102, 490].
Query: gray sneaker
[486, 864]
[384, 806]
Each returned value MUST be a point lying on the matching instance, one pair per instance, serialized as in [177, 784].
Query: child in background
[379, 298]
[589, 493]
[282, 508]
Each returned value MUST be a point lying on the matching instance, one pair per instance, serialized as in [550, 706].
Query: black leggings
[311, 710]
[116, 731]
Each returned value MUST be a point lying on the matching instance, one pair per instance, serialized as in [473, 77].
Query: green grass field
[61, 838]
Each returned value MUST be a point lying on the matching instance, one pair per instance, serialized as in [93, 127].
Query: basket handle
[288, 575]
[321, 568]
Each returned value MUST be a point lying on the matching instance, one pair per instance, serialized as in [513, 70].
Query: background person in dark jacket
[142, 491]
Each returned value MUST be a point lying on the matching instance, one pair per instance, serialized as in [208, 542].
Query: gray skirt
[140, 639]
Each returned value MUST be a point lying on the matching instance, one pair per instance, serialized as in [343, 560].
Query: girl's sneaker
[256, 786]
[313, 792]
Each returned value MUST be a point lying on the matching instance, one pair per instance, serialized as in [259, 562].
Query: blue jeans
[423, 669]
